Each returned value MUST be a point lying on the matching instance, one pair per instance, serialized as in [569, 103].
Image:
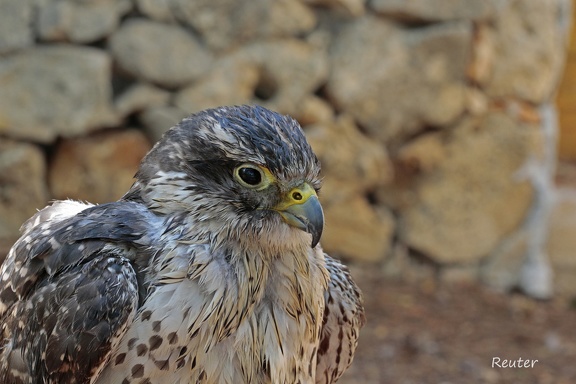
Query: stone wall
[432, 119]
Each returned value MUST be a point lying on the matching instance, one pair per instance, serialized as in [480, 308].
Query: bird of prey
[208, 270]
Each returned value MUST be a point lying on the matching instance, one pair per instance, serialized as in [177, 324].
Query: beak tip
[316, 231]
[307, 217]
[315, 241]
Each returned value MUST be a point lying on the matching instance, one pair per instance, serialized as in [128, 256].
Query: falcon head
[243, 173]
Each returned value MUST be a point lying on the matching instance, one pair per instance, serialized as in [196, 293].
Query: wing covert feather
[69, 290]
[343, 318]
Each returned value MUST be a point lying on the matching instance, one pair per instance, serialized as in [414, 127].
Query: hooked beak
[301, 209]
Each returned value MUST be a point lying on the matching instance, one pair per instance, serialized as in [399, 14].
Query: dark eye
[253, 176]
[250, 176]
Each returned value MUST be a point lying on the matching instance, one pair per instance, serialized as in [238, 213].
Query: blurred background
[446, 130]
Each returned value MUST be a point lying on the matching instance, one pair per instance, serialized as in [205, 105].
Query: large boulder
[416, 76]
[55, 91]
[160, 53]
[459, 211]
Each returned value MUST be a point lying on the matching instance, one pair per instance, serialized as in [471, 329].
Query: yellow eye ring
[253, 176]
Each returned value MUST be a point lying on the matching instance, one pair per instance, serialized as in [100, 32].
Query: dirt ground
[426, 333]
[430, 333]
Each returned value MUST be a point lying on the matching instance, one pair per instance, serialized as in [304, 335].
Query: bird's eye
[251, 176]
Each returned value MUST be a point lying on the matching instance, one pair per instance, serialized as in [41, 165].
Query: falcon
[208, 270]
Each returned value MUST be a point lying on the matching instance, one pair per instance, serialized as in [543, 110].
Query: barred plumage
[208, 270]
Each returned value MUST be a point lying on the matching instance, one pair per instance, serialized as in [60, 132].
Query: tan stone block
[476, 197]
[23, 187]
[157, 120]
[52, 91]
[140, 48]
[423, 153]
[98, 168]
[529, 42]
[314, 110]
[482, 61]
[232, 81]
[225, 24]
[352, 164]
[415, 78]
[356, 230]
[139, 97]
